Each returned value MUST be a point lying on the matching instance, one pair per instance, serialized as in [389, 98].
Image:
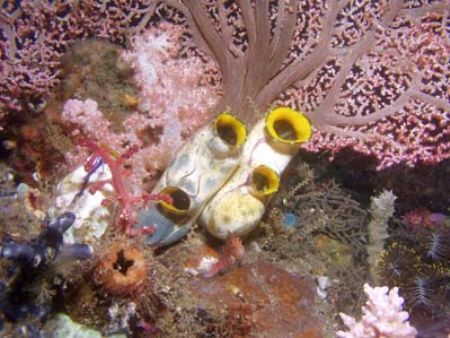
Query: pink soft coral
[176, 98]
[175, 88]
[85, 118]
[382, 317]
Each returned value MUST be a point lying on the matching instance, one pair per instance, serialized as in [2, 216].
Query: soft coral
[125, 218]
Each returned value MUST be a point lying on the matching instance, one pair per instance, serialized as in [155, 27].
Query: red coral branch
[127, 202]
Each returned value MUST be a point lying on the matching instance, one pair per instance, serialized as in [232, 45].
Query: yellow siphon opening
[288, 126]
[181, 201]
[230, 129]
[264, 181]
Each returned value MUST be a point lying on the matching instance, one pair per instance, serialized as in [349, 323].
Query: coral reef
[131, 81]
[356, 95]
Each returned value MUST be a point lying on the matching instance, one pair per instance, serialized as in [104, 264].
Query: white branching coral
[382, 316]
[381, 209]
[382, 206]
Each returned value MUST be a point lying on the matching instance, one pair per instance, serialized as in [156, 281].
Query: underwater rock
[62, 326]
[264, 299]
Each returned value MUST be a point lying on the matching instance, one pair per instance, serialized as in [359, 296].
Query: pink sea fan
[382, 317]
[34, 34]
[394, 102]
[371, 75]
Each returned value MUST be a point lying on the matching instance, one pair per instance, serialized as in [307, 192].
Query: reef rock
[261, 299]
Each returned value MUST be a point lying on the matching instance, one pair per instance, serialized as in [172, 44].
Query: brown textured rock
[263, 300]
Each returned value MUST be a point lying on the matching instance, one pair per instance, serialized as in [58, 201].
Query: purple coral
[37, 253]
[28, 262]
[382, 316]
